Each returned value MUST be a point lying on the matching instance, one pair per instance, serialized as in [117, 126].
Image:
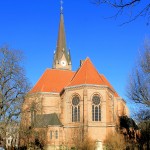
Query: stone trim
[45, 93]
[88, 85]
[121, 99]
[89, 126]
[58, 126]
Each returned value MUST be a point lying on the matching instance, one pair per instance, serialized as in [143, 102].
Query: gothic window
[33, 114]
[111, 105]
[75, 109]
[56, 134]
[96, 108]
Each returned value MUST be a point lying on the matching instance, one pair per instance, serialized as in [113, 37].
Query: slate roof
[47, 119]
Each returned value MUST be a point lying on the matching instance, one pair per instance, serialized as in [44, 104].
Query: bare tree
[32, 138]
[81, 140]
[115, 141]
[32, 135]
[138, 88]
[134, 8]
[138, 91]
[13, 86]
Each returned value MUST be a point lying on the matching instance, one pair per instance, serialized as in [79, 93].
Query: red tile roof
[87, 74]
[54, 80]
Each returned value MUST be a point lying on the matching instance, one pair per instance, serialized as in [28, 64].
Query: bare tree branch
[125, 5]
[13, 85]
[138, 88]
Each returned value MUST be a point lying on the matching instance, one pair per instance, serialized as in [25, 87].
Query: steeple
[62, 58]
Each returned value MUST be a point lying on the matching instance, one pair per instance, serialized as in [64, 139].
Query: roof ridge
[76, 73]
[110, 85]
[85, 76]
[96, 70]
[101, 77]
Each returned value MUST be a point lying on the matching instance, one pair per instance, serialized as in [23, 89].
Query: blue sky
[32, 26]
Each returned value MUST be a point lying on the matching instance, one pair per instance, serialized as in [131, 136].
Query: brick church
[73, 105]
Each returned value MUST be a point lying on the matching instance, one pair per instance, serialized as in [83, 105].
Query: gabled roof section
[87, 74]
[53, 80]
[46, 120]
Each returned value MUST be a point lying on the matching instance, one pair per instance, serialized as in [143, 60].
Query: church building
[72, 106]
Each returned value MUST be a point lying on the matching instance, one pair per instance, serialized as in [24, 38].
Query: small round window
[75, 100]
[96, 100]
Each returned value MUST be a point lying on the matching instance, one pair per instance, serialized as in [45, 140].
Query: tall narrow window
[75, 109]
[33, 114]
[111, 109]
[8, 141]
[96, 109]
[56, 134]
[51, 134]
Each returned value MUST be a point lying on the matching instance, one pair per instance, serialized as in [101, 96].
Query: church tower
[62, 58]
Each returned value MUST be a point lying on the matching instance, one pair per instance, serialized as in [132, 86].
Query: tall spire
[62, 59]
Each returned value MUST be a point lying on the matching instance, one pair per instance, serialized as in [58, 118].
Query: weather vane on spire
[61, 7]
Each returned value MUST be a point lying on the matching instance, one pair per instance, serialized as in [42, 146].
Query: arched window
[96, 109]
[56, 134]
[75, 109]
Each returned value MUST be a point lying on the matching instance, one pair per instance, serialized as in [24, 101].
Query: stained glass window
[96, 109]
[75, 109]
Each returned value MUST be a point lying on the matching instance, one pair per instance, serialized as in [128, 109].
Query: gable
[87, 74]
[55, 80]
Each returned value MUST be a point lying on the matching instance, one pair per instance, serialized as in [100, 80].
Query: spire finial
[61, 7]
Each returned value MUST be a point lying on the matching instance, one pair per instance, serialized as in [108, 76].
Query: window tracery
[96, 108]
[75, 109]
[56, 134]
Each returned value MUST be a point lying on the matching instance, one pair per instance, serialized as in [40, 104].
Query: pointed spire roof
[61, 41]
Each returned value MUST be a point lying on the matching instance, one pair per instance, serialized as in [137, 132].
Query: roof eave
[88, 85]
